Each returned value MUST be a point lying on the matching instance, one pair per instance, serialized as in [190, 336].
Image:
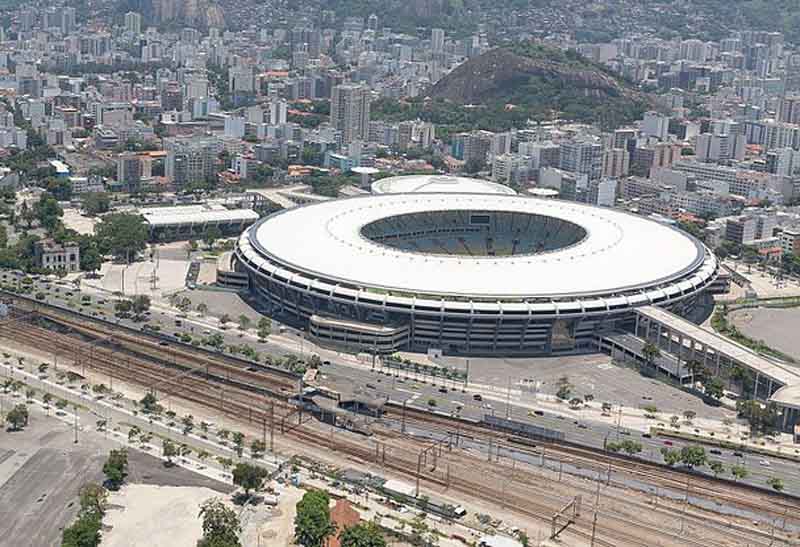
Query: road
[348, 373]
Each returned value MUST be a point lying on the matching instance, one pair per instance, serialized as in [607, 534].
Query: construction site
[459, 470]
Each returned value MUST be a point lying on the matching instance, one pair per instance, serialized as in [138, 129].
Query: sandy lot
[156, 516]
[279, 529]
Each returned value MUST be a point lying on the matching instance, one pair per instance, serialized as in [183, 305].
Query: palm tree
[650, 352]
[696, 368]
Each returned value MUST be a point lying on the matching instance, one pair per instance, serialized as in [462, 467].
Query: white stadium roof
[438, 184]
[621, 253]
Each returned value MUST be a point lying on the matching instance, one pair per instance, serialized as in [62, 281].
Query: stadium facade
[468, 274]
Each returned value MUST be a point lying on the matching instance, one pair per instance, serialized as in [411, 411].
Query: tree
[224, 319]
[95, 203]
[674, 421]
[85, 531]
[17, 417]
[220, 525]
[714, 388]
[257, 448]
[763, 418]
[689, 415]
[716, 467]
[650, 411]
[169, 450]
[48, 212]
[202, 308]
[238, 442]
[696, 369]
[739, 472]
[362, 535]
[211, 235]
[123, 307]
[149, 404]
[244, 322]
[775, 483]
[575, 403]
[631, 447]
[563, 388]
[250, 477]
[693, 456]
[140, 304]
[46, 398]
[188, 424]
[650, 352]
[671, 457]
[93, 498]
[264, 327]
[312, 523]
[116, 468]
[122, 235]
[226, 463]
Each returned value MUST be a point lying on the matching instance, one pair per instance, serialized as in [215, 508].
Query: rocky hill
[541, 79]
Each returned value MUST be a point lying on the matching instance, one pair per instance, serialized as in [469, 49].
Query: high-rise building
[350, 111]
[583, 157]
[655, 125]
[129, 171]
[68, 20]
[616, 162]
[277, 112]
[710, 147]
[133, 22]
[191, 160]
[437, 40]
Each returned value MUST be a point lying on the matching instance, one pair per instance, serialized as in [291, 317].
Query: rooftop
[438, 184]
[196, 214]
[620, 253]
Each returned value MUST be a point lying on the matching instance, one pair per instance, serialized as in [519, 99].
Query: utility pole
[272, 427]
[508, 399]
[75, 410]
[685, 504]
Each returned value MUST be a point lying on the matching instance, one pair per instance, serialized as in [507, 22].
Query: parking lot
[42, 469]
[593, 374]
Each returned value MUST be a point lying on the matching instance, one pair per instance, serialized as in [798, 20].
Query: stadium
[468, 274]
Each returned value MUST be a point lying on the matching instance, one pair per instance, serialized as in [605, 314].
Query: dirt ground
[156, 516]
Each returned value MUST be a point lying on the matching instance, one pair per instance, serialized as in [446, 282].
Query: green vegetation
[720, 323]
[689, 456]
[312, 524]
[362, 535]
[116, 468]
[221, 526]
[85, 531]
[763, 418]
[249, 477]
[122, 235]
[17, 417]
[628, 446]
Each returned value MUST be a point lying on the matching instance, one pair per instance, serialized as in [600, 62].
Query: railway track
[600, 462]
[237, 400]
